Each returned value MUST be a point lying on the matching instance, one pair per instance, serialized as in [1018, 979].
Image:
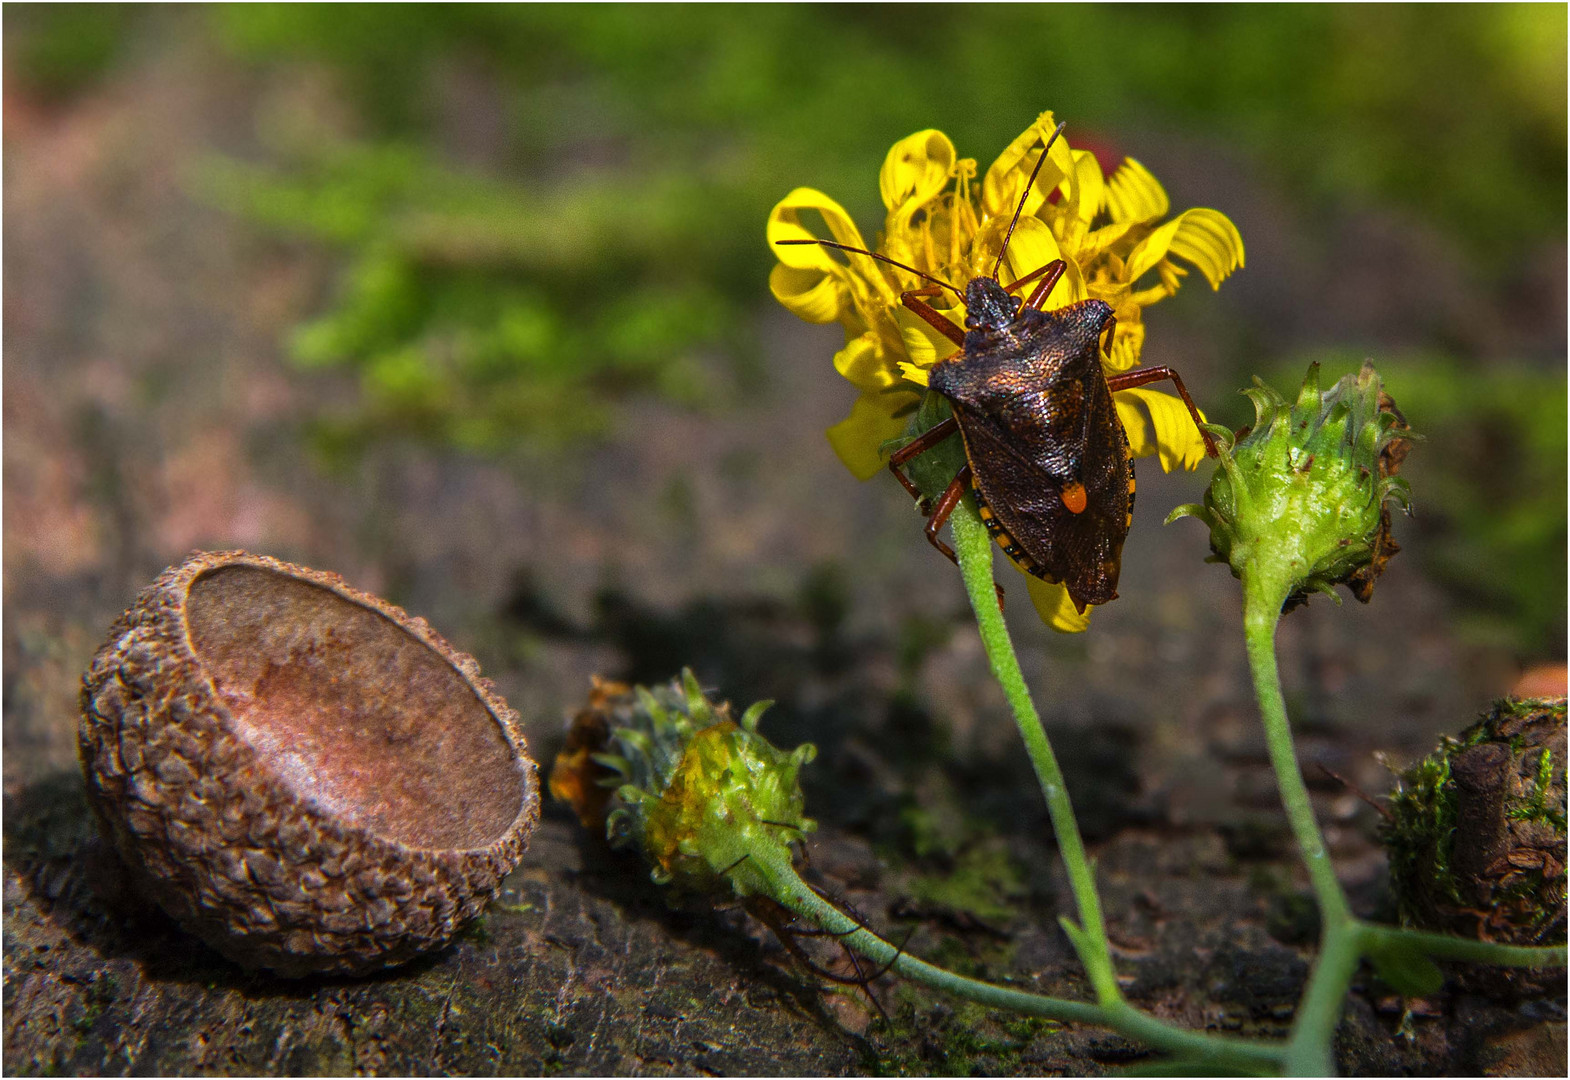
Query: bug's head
[987, 305]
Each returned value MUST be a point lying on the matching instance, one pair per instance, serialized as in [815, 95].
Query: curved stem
[786, 888]
[1261, 612]
[1309, 1050]
[973, 546]
[1446, 947]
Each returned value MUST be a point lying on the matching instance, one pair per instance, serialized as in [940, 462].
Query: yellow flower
[944, 223]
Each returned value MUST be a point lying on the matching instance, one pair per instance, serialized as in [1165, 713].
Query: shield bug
[1046, 455]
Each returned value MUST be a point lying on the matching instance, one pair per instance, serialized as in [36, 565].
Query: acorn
[300, 773]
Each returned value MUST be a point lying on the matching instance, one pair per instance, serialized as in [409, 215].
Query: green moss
[60, 50]
[523, 907]
[934, 832]
[1420, 835]
[984, 882]
[98, 999]
[1536, 806]
[967, 1041]
[476, 931]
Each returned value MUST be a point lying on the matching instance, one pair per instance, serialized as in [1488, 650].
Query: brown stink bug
[1046, 455]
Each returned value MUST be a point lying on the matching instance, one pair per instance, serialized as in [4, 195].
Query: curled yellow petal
[924, 345]
[1005, 180]
[1127, 344]
[1160, 424]
[865, 364]
[1052, 603]
[812, 295]
[916, 170]
[1206, 238]
[874, 420]
[1102, 240]
[1133, 195]
[1071, 290]
[1171, 277]
[1209, 240]
[1090, 183]
[785, 224]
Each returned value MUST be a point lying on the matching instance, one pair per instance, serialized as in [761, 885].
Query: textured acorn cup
[299, 773]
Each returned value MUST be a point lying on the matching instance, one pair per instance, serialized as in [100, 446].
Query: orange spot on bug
[1073, 496]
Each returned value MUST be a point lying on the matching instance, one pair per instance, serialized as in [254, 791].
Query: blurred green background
[540, 213]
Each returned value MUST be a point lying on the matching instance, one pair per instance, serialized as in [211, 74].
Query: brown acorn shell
[300, 773]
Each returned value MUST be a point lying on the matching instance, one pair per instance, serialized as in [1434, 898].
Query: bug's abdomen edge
[1000, 535]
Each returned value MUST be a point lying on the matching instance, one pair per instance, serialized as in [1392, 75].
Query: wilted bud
[1299, 499]
[1476, 832]
[668, 772]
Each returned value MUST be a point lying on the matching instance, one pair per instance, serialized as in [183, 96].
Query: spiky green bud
[671, 775]
[1299, 498]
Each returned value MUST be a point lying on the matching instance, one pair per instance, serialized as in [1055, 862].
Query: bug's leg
[1112, 328]
[940, 516]
[945, 506]
[744, 857]
[1053, 267]
[1141, 376]
[1054, 273]
[940, 322]
[920, 445]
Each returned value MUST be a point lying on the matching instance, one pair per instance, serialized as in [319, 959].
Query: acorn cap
[300, 773]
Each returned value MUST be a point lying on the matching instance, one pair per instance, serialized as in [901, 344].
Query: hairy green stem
[1310, 1048]
[1446, 947]
[1262, 600]
[1313, 1030]
[973, 545]
[786, 888]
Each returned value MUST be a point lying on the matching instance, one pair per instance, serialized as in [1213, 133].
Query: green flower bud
[1299, 499]
[667, 772]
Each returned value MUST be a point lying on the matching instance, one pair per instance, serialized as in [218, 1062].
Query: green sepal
[1195, 510]
[697, 704]
[749, 719]
[1225, 437]
[617, 764]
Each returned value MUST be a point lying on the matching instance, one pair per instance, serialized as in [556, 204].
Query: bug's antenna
[880, 258]
[1021, 207]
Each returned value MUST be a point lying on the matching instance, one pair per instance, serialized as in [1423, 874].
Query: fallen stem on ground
[785, 887]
